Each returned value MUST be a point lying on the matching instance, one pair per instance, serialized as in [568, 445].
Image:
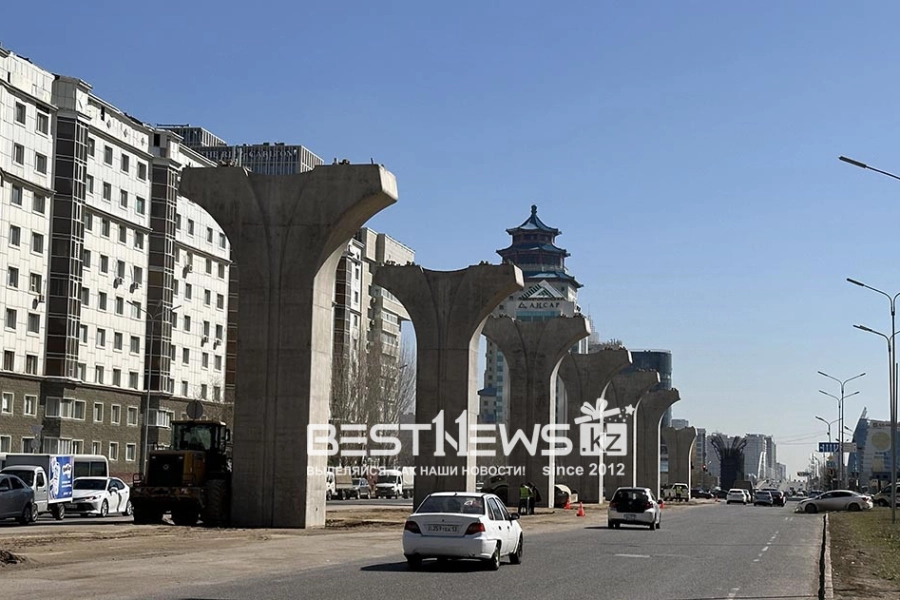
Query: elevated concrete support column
[625, 392]
[287, 234]
[646, 439]
[680, 443]
[532, 351]
[448, 310]
[586, 377]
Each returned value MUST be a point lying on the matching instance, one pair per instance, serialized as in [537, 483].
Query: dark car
[778, 498]
[701, 493]
[16, 500]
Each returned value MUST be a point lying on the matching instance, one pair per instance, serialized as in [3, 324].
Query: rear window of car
[623, 495]
[469, 505]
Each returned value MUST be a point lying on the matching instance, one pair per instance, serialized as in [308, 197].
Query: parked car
[17, 500]
[633, 506]
[701, 493]
[100, 496]
[461, 525]
[362, 488]
[778, 498]
[883, 498]
[836, 500]
[736, 496]
[763, 498]
[676, 491]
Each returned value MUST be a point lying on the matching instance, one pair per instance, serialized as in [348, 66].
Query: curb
[826, 583]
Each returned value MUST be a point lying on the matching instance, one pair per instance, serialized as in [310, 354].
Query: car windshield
[89, 484]
[470, 505]
[387, 479]
[26, 476]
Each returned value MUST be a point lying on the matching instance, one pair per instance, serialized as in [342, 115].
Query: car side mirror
[513, 517]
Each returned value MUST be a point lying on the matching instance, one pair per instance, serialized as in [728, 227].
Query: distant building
[679, 423]
[871, 463]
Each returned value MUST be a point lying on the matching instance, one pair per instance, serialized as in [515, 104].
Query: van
[91, 465]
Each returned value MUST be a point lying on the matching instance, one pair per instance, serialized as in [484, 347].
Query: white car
[736, 496]
[100, 496]
[462, 525]
[633, 506]
[836, 500]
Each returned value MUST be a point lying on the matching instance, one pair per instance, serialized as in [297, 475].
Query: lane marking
[755, 560]
[633, 555]
[766, 548]
[733, 593]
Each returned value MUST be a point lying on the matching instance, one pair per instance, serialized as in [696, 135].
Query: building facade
[550, 291]
[96, 359]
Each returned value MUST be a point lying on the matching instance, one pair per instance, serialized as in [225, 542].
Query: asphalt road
[710, 552]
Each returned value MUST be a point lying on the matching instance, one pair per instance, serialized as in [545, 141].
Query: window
[85, 258]
[17, 195]
[19, 154]
[83, 333]
[31, 364]
[5, 443]
[107, 192]
[187, 323]
[139, 205]
[81, 370]
[190, 227]
[92, 146]
[89, 184]
[218, 363]
[126, 163]
[184, 388]
[98, 412]
[209, 268]
[43, 122]
[136, 310]
[221, 270]
[188, 291]
[104, 227]
[20, 113]
[123, 234]
[120, 269]
[139, 240]
[12, 277]
[101, 338]
[142, 171]
[132, 415]
[15, 236]
[217, 393]
[35, 283]
[107, 155]
[135, 344]
[120, 305]
[220, 301]
[113, 451]
[204, 360]
[209, 235]
[133, 380]
[39, 203]
[115, 414]
[104, 263]
[65, 408]
[175, 285]
[117, 377]
[40, 163]
[88, 221]
[130, 451]
[219, 332]
[177, 222]
[203, 390]
[205, 328]
[9, 360]
[123, 198]
[10, 318]
[186, 356]
[160, 418]
[207, 297]
[95, 447]
[30, 408]
[77, 446]
[221, 240]
[37, 243]
[6, 403]
[101, 301]
[34, 323]
[85, 296]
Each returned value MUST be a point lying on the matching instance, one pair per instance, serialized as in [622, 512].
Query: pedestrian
[524, 499]
[534, 497]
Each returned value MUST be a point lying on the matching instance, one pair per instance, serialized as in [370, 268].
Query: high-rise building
[94, 258]
[550, 291]
[679, 423]
[755, 459]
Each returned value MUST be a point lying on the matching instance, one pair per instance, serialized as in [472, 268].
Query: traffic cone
[568, 505]
[580, 512]
[662, 504]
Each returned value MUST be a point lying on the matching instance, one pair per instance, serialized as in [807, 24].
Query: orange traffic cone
[580, 512]
[568, 505]
[662, 503]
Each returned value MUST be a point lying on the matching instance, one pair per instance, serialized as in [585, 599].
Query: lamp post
[892, 377]
[828, 424]
[841, 417]
[148, 351]
[863, 165]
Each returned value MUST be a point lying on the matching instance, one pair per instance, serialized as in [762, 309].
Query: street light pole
[841, 418]
[892, 378]
[828, 424]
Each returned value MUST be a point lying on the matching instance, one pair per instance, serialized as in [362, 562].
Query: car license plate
[443, 528]
[629, 517]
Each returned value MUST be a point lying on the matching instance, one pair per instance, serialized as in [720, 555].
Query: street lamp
[148, 351]
[841, 416]
[863, 165]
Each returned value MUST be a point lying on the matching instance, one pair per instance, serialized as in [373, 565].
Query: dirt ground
[864, 555]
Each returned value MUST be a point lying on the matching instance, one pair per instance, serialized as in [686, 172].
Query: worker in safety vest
[524, 498]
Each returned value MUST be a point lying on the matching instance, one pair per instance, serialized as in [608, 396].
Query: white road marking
[755, 560]
[734, 592]
[766, 548]
[633, 555]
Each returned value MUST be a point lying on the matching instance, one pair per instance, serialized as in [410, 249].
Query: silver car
[17, 500]
[836, 500]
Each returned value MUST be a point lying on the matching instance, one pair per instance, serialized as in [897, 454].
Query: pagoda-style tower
[534, 250]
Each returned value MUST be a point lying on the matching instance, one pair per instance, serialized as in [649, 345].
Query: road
[707, 552]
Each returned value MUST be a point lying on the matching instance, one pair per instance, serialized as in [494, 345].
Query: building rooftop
[533, 223]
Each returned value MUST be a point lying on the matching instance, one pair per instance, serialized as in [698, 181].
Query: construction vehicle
[191, 479]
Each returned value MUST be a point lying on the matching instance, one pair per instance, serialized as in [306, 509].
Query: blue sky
[688, 152]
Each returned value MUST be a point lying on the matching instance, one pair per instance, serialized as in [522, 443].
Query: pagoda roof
[533, 223]
[550, 275]
[531, 246]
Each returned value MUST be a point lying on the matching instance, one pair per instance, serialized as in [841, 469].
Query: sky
[687, 150]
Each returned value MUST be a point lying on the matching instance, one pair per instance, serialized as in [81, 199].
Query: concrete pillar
[646, 439]
[680, 443]
[625, 392]
[287, 233]
[586, 377]
[533, 351]
[448, 310]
